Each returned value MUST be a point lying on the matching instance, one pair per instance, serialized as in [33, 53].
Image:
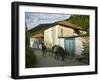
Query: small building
[62, 33]
[36, 40]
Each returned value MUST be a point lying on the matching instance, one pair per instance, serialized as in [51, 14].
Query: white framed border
[54, 70]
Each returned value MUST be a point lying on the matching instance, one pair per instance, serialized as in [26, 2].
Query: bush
[30, 58]
[86, 47]
[85, 52]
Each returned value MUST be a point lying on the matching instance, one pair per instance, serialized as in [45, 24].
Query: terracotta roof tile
[67, 23]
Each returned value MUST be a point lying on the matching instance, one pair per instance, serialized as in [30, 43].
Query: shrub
[85, 52]
[30, 58]
[86, 47]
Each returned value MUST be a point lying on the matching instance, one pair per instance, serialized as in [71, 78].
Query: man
[43, 50]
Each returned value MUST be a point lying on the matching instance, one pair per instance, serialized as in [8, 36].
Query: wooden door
[70, 46]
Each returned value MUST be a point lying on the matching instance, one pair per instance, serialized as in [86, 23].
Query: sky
[34, 19]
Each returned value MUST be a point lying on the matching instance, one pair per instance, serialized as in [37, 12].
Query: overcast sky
[33, 19]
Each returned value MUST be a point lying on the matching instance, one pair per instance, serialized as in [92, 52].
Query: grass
[31, 60]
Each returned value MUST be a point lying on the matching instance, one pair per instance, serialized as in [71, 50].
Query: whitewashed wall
[34, 43]
[51, 35]
[79, 46]
[48, 37]
[61, 42]
[51, 38]
[31, 41]
[56, 33]
[67, 32]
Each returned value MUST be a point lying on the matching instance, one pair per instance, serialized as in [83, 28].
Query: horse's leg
[63, 56]
[45, 53]
[42, 52]
[57, 56]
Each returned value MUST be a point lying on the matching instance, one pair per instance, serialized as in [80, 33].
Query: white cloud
[34, 19]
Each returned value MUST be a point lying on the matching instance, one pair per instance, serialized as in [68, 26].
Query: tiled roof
[39, 35]
[65, 23]
[68, 24]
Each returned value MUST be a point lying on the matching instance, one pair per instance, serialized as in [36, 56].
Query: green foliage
[30, 58]
[80, 20]
[86, 47]
[27, 39]
[85, 52]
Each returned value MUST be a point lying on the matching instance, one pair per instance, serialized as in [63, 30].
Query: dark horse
[58, 51]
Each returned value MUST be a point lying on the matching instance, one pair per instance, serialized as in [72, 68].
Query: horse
[58, 51]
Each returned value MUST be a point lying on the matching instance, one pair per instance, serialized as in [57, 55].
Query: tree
[30, 57]
[80, 20]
